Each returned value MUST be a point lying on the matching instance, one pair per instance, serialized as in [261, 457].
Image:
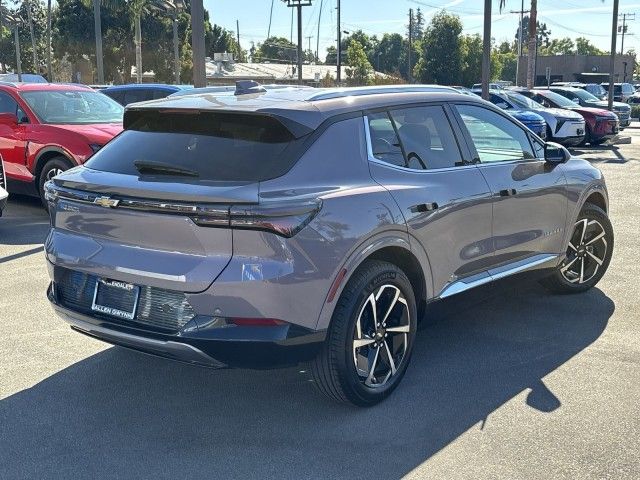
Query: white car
[563, 126]
[3, 188]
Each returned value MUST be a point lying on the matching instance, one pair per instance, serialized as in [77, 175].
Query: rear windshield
[217, 147]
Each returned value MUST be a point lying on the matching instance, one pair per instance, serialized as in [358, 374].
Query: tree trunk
[486, 50]
[138, 42]
[197, 44]
[98, 33]
[49, 73]
[18, 60]
[33, 37]
[176, 49]
[531, 54]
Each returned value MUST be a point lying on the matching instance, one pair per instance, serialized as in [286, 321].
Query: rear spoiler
[297, 129]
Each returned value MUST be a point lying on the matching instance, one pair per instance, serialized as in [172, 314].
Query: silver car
[313, 226]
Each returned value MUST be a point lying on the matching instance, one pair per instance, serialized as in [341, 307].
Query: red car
[601, 125]
[48, 128]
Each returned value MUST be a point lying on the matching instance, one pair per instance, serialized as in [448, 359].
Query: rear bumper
[211, 346]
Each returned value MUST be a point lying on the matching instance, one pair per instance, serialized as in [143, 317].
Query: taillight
[282, 218]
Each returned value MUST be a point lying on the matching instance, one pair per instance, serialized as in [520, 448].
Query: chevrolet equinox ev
[273, 228]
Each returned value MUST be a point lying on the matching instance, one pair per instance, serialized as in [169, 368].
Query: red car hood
[593, 111]
[99, 133]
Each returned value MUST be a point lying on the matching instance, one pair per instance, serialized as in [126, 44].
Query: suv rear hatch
[156, 206]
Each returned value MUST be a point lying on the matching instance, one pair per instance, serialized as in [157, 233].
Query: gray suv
[313, 226]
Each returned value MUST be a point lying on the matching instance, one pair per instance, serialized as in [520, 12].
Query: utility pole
[318, 36]
[338, 50]
[197, 44]
[309, 37]
[622, 30]
[410, 73]
[612, 58]
[522, 11]
[238, 36]
[298, 4]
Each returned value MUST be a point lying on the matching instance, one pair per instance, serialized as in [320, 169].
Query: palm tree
[98, 34]
[49, 74]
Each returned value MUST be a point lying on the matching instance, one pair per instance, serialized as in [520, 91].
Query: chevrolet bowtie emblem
[106, 202]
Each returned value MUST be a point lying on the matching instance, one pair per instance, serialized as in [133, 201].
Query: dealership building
[578, 68]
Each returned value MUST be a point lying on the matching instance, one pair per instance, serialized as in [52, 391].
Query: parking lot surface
[509, 382]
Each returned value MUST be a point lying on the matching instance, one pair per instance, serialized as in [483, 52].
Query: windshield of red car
[73, 107]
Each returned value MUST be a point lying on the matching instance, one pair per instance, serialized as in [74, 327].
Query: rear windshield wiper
[144, 166]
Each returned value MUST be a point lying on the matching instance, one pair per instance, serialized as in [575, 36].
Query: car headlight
[601, 118]
[95, 147]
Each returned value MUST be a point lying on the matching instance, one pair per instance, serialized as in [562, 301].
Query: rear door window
[418, 138]
[214, 146]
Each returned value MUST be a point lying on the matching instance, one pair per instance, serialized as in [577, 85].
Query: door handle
[508, 192]
[424, 207]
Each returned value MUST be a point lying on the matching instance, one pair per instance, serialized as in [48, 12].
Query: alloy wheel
[586, 252]
[53, 172]
[381, 336]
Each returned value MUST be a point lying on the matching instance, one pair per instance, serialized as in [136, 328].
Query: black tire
[585, 254]
[56, 163]
[334, 370]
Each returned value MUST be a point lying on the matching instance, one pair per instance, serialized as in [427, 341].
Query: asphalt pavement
[509, 382]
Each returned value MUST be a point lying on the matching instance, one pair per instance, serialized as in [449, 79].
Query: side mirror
[9, 119]
[555, 153]
[502, 105]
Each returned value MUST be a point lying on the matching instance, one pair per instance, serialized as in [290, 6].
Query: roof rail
[8, 84]
[377, 90]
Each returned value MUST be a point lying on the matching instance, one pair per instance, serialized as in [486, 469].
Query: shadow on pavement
[24, 222]
[122, 414]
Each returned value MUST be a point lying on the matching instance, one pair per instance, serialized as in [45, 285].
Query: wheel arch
[394, 249]
[47, 154]
[598, 199]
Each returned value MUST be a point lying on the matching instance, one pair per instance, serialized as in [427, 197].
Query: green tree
[441, 58]
[276, 50]
[509, 63]
[471, 53]
[559, 46]
[543, 34]
[389, 54]
[359, 70]
[585, 47]
[39, 23]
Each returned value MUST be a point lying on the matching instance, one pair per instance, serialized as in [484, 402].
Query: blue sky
[573, 18]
